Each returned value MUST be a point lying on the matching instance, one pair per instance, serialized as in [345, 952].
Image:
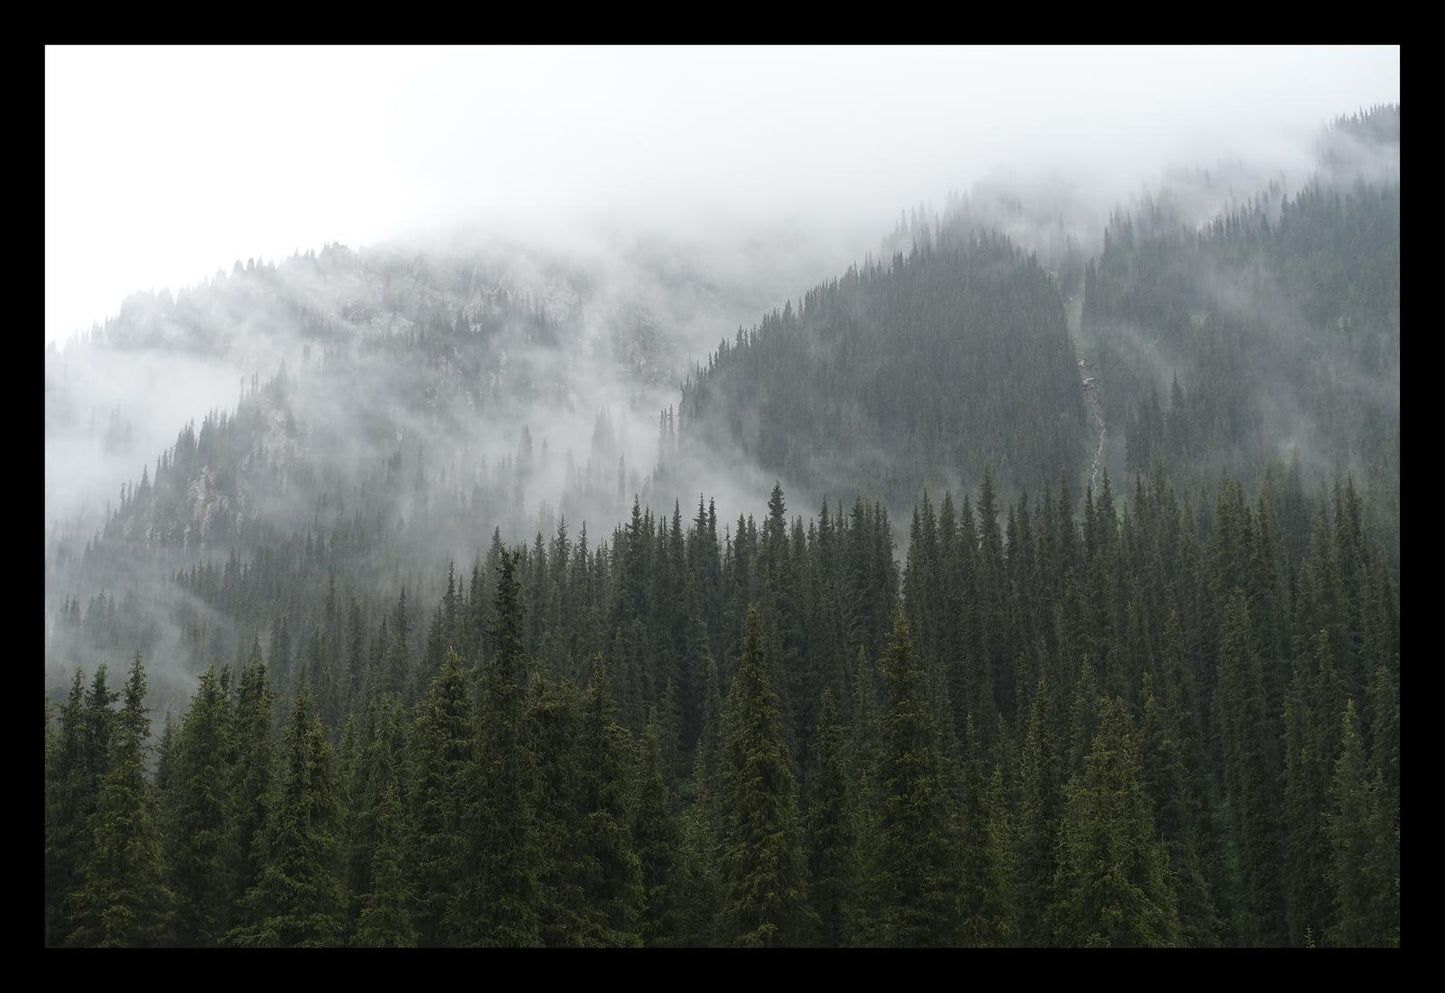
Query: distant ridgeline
[900, 378]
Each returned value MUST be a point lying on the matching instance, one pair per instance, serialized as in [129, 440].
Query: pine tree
[1177, 805]
[252, 778]
[702, 822]
[1251, 773]
[1358, 870]
[764, 867]
[441, 747]
[1000, 906]
[657, 837]
[69, 800]
[1311, 732]
[199, 817]
[298, 901]
[916, 850]
[1384, 714]
[123, 901]
[375, 764]
[1114, 887]
[977, 923]
[612, 882]
[832, 867]
[386, 916]
[500, 891]
[1041, 803]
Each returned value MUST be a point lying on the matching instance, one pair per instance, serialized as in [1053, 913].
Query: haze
[164, 164]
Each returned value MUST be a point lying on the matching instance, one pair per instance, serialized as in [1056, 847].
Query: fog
[163, 164]
[642, 203]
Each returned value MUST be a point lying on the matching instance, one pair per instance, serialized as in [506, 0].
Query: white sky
[164, 164]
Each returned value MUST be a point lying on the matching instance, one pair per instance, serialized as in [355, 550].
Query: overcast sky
[164, 164]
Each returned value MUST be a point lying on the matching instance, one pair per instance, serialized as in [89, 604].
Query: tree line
[1175, 723]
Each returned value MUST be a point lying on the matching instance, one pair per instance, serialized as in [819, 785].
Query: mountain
[497, 610]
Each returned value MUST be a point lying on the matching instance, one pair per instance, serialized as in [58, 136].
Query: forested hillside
[488, 614]
[1271, 332]
[776, 738]
[895, 379]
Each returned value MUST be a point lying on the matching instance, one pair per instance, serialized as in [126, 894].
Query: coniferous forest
[1056, 601]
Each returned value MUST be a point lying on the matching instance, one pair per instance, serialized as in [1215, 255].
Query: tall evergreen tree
[199, 817]
[498, 901]
[657, 836]
[252, 782]
[1040, 805]
[441, 747]
[123, 900]
[1358, 870]
[69, 799]
[764, 867]
[832, 860]
[1114, 887]
[298, 900]
[916, 854]
[1251, 774]
[386, 914]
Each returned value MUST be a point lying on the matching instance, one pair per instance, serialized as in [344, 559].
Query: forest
[417, 645]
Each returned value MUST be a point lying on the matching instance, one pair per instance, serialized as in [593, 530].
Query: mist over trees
[1034, 582]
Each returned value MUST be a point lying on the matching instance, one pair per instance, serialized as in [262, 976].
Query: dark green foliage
[499, 897]
[1177, 816]
[888, 379]
[122, 900]
[1281, 315]
[69, 799]
[441, 756]
[198, 815]
[527, 812]
[1361, 844]
[1251, 771]
[763, 864]
[657, 836]
[253, 774]
[832, 857]
[386, 915]
[1114, 886]
[1153, 710]
[916, 848]
[1040, 807]
[1237, 762]
[298, 901]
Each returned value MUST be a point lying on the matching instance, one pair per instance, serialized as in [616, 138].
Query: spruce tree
[1252, 772]
[612, 884]
[1176, 803]
[1040, 805]
[657, 836]
[1114, 887]
[499, 896]
[199, 816]
[1358, 870]
[916, 859]
[252, 779]
[123, 901]
[1000, 903]
[832, 868]
[386, 915]
[764, 867]
[298, 901]
[702, 822]
[441, 749]
[68, 802]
